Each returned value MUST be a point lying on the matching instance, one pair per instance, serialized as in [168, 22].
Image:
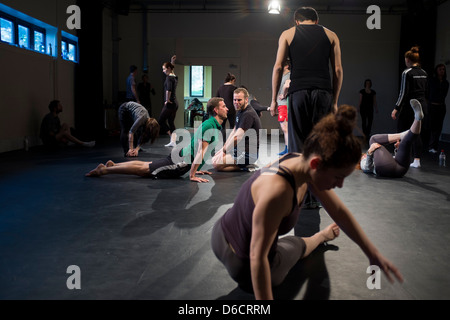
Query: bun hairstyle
[332, 139]
[230, 77]
[413, 54]
[169, 65]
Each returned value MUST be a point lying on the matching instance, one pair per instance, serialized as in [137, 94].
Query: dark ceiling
[256, 6]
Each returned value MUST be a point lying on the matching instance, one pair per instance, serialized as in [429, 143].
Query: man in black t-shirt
[241, 147]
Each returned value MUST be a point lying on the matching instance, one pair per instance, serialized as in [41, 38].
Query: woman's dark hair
[437, 67]
[53, 105]
[151, 131]
[230, 77]
[332, 139]
[365, 81]
[413, 54]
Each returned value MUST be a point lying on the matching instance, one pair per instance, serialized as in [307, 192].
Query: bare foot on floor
[97, 172]
[331, 232]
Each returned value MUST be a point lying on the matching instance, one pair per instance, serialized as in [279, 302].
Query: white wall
[30, 80]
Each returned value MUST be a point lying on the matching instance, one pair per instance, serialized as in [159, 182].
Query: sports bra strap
[287, 174]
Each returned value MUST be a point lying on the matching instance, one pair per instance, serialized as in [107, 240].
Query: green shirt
[209, 131]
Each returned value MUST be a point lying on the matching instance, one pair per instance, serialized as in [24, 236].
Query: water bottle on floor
[442, 159]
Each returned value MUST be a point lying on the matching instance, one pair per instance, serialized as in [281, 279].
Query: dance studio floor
[139, 239]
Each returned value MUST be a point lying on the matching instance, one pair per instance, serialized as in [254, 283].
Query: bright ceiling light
[274, 7]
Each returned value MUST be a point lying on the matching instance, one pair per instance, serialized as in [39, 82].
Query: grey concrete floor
[138, 239]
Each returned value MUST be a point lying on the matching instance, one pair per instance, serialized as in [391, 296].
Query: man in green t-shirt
[191, 158]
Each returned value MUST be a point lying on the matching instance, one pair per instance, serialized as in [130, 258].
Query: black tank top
[237, 221]
[309, 52]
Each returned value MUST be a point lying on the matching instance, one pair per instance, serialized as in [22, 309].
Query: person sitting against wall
[54, 134]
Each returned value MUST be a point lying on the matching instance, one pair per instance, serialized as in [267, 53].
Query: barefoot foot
[331, 232]
[97, 172]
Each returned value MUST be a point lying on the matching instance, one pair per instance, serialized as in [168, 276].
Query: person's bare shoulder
[288, 35]
[331, 35]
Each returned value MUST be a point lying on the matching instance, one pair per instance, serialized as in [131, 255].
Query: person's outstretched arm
[344, 218]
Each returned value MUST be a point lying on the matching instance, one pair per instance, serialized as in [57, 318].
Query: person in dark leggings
[247, 238]
[379, 160]
[169, 110]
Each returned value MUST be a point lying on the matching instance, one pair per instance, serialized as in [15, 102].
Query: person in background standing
[414, 85]
[131, 94]
[225, 91]
[312, 49]
[144, 90]
[282, 104]
[367, 104]
[438, 90]
[169, 110]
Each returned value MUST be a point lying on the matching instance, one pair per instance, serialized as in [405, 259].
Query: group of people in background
[320, 150]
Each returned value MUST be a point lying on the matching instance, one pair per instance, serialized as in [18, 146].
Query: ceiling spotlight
[274, 7]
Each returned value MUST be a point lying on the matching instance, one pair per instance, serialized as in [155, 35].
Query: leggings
[385, 164]
[289, 250]
[168, 114]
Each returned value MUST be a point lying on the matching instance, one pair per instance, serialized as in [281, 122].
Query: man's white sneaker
[415, 164]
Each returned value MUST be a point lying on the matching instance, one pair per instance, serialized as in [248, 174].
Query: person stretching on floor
[203, 142]
[379, 160]
[246, 239]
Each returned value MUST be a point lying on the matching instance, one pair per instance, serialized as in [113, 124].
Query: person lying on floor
[379, 160]
[204, 140]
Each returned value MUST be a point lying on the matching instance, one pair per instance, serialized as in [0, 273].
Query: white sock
[171, 144]
[415, 163]
[417, 107]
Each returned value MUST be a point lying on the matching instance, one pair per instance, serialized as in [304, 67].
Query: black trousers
[306, 108]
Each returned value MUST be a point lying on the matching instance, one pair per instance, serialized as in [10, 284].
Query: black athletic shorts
[166, 169]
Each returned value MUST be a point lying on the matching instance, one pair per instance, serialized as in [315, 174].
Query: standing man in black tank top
[312, 94]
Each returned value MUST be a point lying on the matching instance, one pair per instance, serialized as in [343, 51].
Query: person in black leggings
[169, 110]
[379, 160]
